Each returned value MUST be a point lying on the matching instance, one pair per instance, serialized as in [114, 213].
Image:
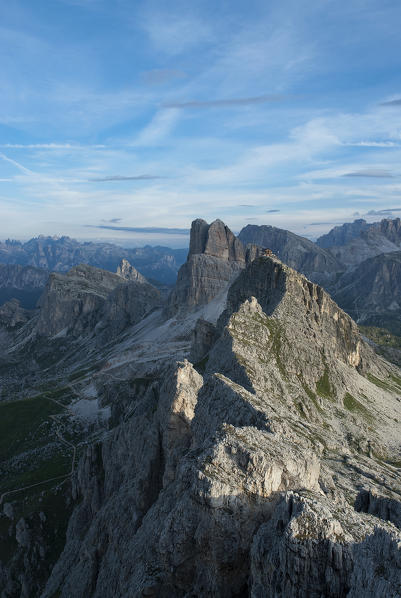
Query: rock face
[13, 315]
[215, 257]
[216, 240]
[22, 277]
[24, 283]
[126, 305]
[341, 235]
[246, 480]
[299, 253]
[72, 301]
[87, 298]
[371, 293]
[374, 239]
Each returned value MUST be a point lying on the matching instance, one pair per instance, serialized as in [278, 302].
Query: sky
[119, 117]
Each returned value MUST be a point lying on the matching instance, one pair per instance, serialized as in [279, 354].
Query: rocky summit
[251, 445]
[215, 258]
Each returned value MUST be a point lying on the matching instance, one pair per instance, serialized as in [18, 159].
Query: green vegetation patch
[354, 406]
[379, 383]
[323, 386]
[20, 422]
[249, 334]
[57, 465]
[396, 379]
[275, 337]
[312, 396]
[381, 336]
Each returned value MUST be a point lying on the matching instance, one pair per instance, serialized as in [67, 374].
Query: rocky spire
[215, 239]
[215, 258]
[127, 271]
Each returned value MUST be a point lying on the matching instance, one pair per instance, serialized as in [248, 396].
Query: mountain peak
[127, 271]
[215, 257]
[215, 239]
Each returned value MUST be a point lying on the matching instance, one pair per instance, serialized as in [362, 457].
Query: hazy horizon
[167, 237]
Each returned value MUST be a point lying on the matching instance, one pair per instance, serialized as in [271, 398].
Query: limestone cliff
[299, 253]
[215, 258]
[243, 477]
[371, 292]
[78, 302]
[374, 239]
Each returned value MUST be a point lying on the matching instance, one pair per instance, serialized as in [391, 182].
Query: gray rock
[377, 238]
[215, 258]
[295, 251]
[341, 235]
[243, 481]
[71, 302]
[371, 292]
[13, 315]
[127, 271]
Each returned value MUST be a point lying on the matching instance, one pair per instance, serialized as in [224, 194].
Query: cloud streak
[145, 229]
[396, 102]
[118, 177]
[263, 99]
[374, 173]
[16, 164]
[386, 212]
[51, 146]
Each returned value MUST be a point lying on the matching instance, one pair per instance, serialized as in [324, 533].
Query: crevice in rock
[382, 507]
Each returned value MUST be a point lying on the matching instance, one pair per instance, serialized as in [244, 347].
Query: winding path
[64, 441]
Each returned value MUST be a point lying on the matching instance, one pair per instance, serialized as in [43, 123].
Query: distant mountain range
[357, 263]
[60, 254]
[297, 252]
[372, 240]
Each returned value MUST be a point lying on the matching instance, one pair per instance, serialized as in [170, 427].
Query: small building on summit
[267, 252]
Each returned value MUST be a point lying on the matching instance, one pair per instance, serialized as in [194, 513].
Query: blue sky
[120, 114]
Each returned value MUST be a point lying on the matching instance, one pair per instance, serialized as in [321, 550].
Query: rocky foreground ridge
[269, 465]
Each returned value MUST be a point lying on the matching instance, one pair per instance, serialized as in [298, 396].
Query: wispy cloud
[172, 32]
[16, 164]
[272, 211]
[374, 173]
[118, 177]
[386, 212]
[226, 103]
[51, 146]
[373, 144]
[113, 220]
[396, 102]
[145, 229]
[158, 129]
